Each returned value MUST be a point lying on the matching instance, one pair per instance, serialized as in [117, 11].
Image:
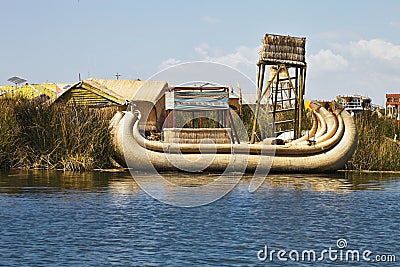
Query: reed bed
[377, 148]
[55, 136]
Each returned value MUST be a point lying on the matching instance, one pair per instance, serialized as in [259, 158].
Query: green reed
[33, 135]
[377, 149]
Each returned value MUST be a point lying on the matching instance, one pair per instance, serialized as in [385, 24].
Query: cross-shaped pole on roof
[117, 75]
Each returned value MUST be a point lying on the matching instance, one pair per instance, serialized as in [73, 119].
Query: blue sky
[352, 46]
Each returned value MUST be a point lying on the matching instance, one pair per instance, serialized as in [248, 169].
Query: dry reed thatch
[283, 49]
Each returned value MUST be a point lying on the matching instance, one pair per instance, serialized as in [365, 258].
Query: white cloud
[210, 20]
[327, 60]
[375, 48]
[242, 62]
[367, 67]
[168, 63]
[242, 56]
[394, 24]
[203, 50]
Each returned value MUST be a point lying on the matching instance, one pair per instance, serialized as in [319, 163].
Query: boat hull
[334, 141]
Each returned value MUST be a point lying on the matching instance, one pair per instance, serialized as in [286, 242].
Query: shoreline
[369, 171]
[120, 170]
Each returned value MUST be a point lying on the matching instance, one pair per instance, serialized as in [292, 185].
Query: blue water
[103, 219]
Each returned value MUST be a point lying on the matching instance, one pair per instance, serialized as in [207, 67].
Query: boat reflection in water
[121, 182]
[340, 182]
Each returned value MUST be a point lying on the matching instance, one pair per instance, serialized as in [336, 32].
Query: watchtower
[285, 86]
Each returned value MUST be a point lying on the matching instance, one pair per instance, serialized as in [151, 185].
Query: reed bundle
[283, 49]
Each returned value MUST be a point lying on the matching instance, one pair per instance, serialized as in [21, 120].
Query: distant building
[392, 106]
[355, 103]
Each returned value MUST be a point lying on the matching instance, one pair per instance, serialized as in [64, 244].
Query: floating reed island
[78, 138]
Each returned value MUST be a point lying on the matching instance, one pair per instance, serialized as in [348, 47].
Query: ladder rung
[281, 89]
[287, 79]
[282, 122]
[286, 99]
[282, 110]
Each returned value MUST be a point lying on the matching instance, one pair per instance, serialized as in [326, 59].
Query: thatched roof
[119, 91]
[136, 90]
[281, 49]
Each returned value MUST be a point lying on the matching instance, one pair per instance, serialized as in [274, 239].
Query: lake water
[103, 219]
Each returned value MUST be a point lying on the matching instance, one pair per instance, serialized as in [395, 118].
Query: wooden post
[240, 99]
[260, 81]
[304, 82]
[234, 133]
[168, 121]
[227, 121]
[301, 102]
[173, 119]
[296, 104]
[276, 96]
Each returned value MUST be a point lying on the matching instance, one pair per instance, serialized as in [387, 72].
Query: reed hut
[148, 96]
[198, 114]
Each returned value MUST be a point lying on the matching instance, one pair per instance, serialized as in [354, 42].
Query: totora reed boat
[326, 147]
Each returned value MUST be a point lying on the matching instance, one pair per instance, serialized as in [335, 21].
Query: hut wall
[160, 112]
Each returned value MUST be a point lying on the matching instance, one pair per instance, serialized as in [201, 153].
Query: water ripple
[97, 219]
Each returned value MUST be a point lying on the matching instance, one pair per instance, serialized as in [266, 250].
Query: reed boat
[326, 147]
